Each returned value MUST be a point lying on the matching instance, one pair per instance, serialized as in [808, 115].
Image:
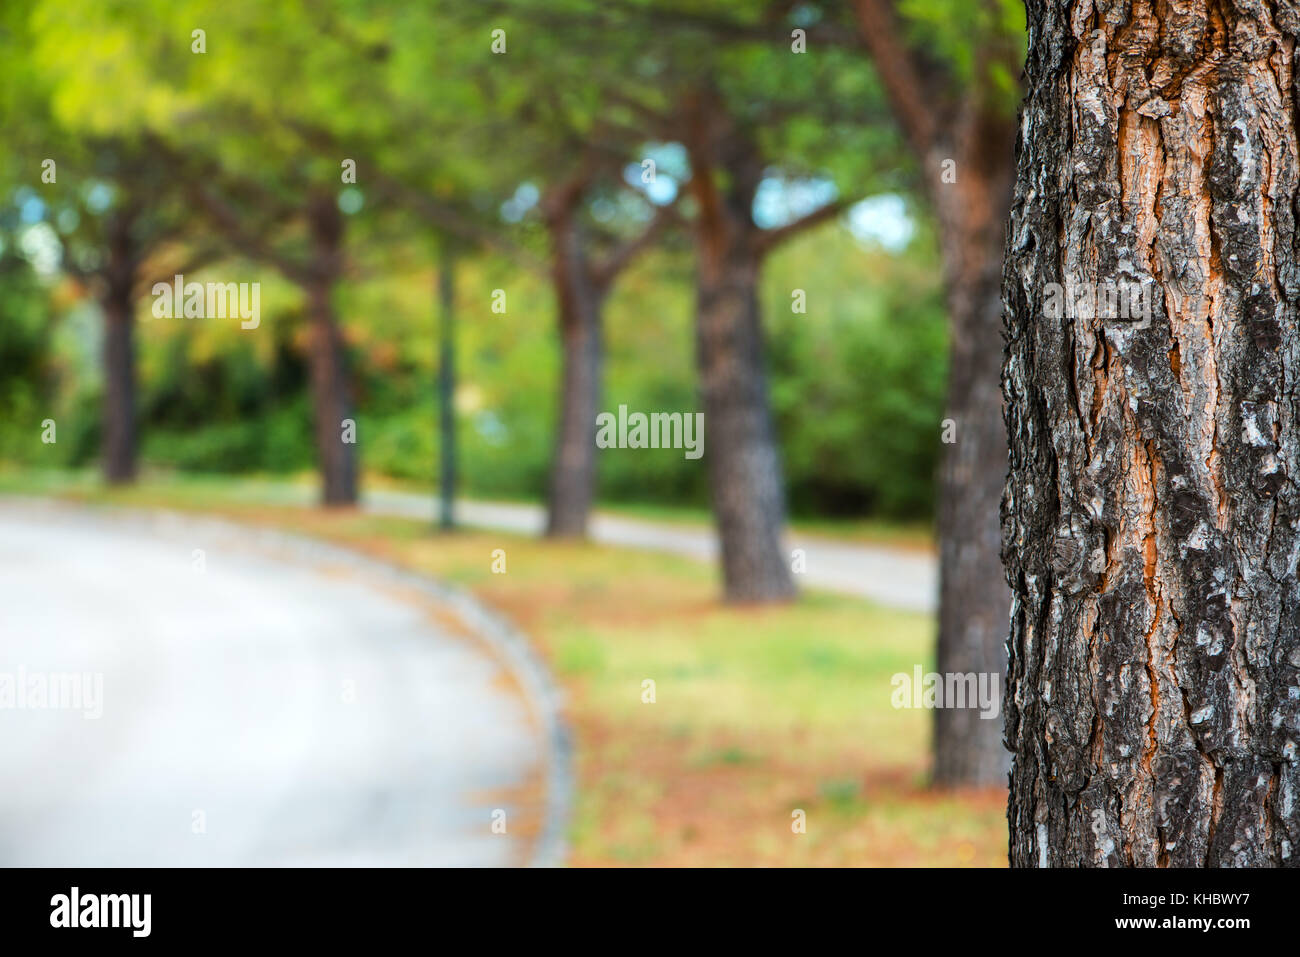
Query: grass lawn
[757, 712]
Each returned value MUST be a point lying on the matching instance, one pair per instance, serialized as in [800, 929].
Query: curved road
[255, 708]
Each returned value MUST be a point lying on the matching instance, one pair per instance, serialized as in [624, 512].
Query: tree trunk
[744, 465]
[740, 447]
[328, 359]
[579, 301]
[974, 601]
[963, 143]
[119, 439]
[1152, 515]
[447, 387]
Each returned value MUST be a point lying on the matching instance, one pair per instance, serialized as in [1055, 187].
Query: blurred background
[472, 227]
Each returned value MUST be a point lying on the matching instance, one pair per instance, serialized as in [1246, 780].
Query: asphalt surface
[252, 708]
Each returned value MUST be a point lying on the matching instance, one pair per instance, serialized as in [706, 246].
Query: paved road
[260, 710]
[892, 577]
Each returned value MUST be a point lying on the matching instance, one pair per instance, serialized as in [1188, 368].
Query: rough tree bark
[743, 461]
[964, 144]
[1152, 517]
[579, 300]
[331, 388]
[119, 440]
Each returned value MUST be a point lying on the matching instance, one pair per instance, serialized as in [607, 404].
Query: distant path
[284, 704]
[893, 577]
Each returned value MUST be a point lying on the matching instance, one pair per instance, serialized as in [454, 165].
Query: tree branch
[899, 70]
[441, 215]
[229, 223]
[616, 15]
[769, 239]
[197, 259]
[621, 257]
[451, 220]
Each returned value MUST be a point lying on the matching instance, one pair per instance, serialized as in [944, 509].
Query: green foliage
[858, 382]
[416, 92]
[277, 441]
[27, 369]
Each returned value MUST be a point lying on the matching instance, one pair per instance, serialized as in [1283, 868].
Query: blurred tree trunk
[974, 602]
[964, 145]
[579, 301]
[740, 448]
[1153, 515]
[744, 464]
[446, 385]
[328, 357]
[119, 439]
